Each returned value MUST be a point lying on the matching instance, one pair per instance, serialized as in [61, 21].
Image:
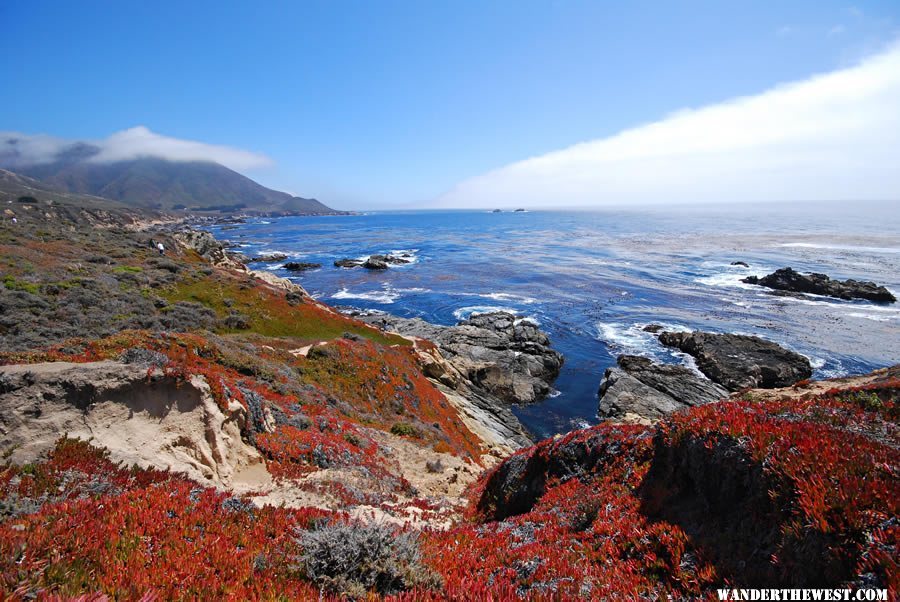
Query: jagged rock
[207, 247]
[498, 353]
[269, 258]
[375, 262]
[142, 417]
[484, 364]
[348, 263]
[300, 266]
[642, 388]
[740, 361]
[293, 289]
[787, 279]
[653, 328]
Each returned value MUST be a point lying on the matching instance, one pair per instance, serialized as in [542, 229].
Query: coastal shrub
[404, 429]
[186, 316]
[354, 560]
[236, 321]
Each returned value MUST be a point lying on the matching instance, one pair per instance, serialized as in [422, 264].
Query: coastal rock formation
[508, 358]
[740, 361]
[269, 258]
[375, 262]
[348, 263]
[206, 245]
[482, 365]
[153, 421]
[787, 279]
[642, 389]
[300, 266]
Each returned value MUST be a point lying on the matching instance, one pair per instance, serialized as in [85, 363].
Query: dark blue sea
[593, 279]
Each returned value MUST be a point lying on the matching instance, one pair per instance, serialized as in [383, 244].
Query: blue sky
[371, 104]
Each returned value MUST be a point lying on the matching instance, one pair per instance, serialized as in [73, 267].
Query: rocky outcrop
[640, 389]
[787, 279]
[300, 266]
[348, 263]
[269, 258]
[498, 353]
[141, 416]
[740, 361]
[206, 245]
[375, 262]
[483, 365]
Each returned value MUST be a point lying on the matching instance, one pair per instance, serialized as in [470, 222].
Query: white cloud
[784, 31]
[830, 137]
[128, 144]
[837, 30]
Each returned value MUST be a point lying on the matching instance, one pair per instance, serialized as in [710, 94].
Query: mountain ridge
[158, 183]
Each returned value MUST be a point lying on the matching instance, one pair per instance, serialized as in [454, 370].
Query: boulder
[348, 263]
[787, 279]
[740, 361]
[300, 266]
[205, 245]
[639, 387]
[269, 258]
[376, 262]
[742, 264]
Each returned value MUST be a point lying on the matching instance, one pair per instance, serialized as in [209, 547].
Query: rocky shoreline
[495, 359]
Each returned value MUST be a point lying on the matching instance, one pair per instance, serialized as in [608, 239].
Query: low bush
[355, 560]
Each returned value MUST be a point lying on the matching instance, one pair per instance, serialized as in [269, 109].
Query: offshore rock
[739, 361]
[787, 279]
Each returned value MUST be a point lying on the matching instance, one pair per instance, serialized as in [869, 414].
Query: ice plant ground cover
[608, 511]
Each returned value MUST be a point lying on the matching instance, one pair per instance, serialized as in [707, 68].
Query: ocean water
[593, 279]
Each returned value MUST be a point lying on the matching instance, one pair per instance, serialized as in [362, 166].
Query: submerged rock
[740, 361]
[787, 279]
[742, 264]
[642, 389]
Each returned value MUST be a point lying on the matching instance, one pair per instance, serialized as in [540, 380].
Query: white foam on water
[631, 339]
[579, 423]
[529, 319]
[732, 275]
[554, 393]
[838, 247]
[875, 318]
[501, 296]
[385, 296]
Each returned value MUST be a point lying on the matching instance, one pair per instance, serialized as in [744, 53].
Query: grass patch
[12, 284]
[267, 312]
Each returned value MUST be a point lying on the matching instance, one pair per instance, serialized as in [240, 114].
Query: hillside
[174, 426]
[196, 186]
